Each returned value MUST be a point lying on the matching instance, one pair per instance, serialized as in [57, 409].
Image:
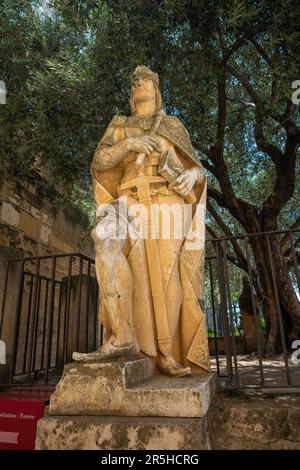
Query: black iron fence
[50, 309]
[237, 323]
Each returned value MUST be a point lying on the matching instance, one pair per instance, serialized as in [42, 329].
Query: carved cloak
[191, 344]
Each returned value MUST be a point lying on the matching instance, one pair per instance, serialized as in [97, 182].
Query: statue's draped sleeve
[105, 183]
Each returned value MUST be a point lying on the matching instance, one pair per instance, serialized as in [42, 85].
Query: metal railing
[50, 309]
[235, 367]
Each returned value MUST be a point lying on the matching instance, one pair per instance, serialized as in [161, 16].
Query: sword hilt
[139, 163]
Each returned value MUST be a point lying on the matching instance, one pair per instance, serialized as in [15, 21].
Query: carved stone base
[126, 404]
[121, 433]
[130, 388]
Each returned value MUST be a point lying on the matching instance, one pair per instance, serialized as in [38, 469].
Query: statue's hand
[144, 145]
[185, 182]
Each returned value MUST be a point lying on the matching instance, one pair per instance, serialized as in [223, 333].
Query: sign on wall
[18, 422]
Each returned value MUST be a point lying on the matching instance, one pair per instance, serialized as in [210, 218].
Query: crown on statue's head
[143, 71]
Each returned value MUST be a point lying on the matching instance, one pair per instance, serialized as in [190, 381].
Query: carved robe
[190, 344]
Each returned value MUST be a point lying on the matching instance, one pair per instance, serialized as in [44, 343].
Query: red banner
[18, 421]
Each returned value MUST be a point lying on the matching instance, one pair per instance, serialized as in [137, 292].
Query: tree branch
[209, 152]
[211, 232]
[222, 108]
[232, 49]
[274, 152]
[208, 167]
[224, 227]
[286, 236]
[245, 207]
[220, 167]
[261, 50]
[289, 250]
[285, 118]
[285, 182]
[217, 196]
[245, 83]
[290, 261]
[227, 198]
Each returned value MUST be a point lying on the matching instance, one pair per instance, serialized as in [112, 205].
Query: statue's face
[143, 89]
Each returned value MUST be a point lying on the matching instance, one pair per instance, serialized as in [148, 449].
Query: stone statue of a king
[150, 191]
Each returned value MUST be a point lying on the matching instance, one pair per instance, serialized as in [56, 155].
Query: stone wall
[254, 423]
[32, 225]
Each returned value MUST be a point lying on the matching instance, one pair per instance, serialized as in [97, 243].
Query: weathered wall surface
[254, 423]
[31, 224]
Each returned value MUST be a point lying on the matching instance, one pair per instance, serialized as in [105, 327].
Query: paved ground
[274, 371]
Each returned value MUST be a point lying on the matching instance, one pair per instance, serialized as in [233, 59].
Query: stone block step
[130, 388]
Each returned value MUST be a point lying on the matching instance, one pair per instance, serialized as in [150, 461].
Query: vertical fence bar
[28, 323]
[279, 314]
[37, 319]
[79, 304]
[58, 325]
[212, 294]
[67, 311]
[87, 307]
[223, 308]
[231, 324]
[45, 324]
[33, 332]
[65, 288]
[96, 323]
[255, 315]
[17, 323]
[50, 321]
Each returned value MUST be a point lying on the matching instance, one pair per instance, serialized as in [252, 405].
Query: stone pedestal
[126, 405]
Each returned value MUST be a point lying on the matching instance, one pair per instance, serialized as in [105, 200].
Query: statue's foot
[107, 351]
[172, 368]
